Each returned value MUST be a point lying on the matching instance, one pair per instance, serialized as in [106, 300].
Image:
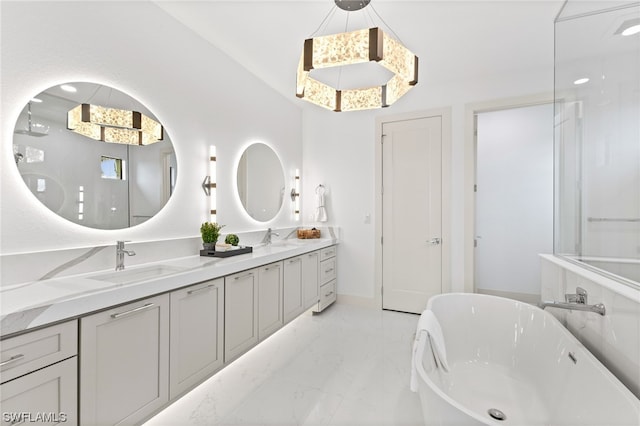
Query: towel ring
[320, 189]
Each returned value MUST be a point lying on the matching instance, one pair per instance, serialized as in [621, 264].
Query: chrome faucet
[120, 252]
[267, 236]
[577, 302]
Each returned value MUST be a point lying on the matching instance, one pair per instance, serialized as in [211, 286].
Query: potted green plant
[210, 232]
[232, 239]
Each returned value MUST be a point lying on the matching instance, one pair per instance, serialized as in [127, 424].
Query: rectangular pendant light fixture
[350, 48]
[114, 125]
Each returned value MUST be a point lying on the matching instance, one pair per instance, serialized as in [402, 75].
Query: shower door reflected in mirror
[86, 180]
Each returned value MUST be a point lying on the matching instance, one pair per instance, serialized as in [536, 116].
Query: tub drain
[497, 414]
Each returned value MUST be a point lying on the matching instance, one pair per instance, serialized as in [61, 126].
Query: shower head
[29, 131]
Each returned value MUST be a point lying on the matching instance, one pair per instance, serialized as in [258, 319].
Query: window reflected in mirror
[112, 168]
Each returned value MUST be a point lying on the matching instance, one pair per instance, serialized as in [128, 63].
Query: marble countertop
[28, 306]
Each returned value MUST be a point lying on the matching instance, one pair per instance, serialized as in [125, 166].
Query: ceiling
[453, 39]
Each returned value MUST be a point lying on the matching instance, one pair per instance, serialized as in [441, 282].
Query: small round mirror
[260, 182]
[94, 155]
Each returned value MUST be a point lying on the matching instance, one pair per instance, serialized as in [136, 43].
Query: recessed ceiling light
[68, 88]
[36, 100]
[581, 81]
[629, 27]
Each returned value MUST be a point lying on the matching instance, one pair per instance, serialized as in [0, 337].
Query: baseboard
[357, 301]
[532, 299]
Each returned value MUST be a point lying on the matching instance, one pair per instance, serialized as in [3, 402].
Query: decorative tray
[227, 253]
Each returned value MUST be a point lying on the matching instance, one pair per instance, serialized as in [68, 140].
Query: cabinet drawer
[37, 349]
[327, 270]
[48, 395]
[327, 295]
[327, 253]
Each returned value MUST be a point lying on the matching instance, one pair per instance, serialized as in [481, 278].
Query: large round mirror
[260, 182]
[94, 155]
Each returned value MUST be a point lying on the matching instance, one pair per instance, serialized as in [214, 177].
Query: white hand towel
[428, 324]
[321, 212]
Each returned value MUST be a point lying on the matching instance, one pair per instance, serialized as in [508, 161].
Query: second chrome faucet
[267, 237]
[120, 252]
[577, 302]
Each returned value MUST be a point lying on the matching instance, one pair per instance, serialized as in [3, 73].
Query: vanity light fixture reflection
[295, 195]
[114, 125]
[209, 183]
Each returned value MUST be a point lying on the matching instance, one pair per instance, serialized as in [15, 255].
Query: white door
[514, 199]
[411, 213]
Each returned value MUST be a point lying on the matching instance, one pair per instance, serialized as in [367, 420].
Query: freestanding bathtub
[513, 361]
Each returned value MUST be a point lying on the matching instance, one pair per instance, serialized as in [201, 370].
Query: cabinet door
[124, 362]
[240, 313]
[270, 287]
[293, 302]
[196, 346]
[310, 265]
[47, 396]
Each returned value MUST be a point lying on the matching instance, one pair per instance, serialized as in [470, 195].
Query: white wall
[614, 338]
[338, 148]
[200, 95]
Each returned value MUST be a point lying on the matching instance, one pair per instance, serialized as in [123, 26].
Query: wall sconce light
[295, 195]
[209, 183]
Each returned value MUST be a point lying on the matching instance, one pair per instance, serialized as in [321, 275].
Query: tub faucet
[576, 302]
[579, 297]
[120, 252]
[267, 236]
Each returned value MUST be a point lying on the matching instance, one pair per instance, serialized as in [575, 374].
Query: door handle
[434, 241]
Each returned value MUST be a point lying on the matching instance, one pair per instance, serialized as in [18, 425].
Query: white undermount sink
[128, 276]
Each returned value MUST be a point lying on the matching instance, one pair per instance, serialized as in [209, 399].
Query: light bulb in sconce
[295, 195]
[209, 183]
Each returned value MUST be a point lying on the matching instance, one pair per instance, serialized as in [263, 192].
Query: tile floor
[346, 366]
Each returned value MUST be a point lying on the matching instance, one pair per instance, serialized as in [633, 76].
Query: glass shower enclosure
[597, 137]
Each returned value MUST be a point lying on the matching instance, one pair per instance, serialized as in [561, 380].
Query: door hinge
[381, 240]
[475, 243]
[475, 188]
